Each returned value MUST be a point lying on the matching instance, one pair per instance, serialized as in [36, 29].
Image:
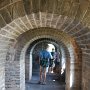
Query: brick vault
[24, 21]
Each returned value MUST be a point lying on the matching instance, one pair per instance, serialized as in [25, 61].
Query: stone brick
[35, 5]
[27, 6]
[32, 20]
[6, 16]
[81, 32]
[21, 25]
[84, 37]
[16, 27]
[2, 22]
[26, 22]
[74, 20]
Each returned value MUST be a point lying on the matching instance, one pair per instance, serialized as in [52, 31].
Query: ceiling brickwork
[69, 16]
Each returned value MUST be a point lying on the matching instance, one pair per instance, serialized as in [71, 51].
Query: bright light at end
[53, 80]
[50, 47]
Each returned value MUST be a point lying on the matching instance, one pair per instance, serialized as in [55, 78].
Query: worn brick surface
[71, 17]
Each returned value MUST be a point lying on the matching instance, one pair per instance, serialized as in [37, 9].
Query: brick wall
[2, 74]
[72, 63]
[71, 17]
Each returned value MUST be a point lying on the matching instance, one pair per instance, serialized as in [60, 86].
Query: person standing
[57, 61]
[52, 61]
[44, 57]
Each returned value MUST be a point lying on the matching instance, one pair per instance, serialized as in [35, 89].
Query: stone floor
[52, 83]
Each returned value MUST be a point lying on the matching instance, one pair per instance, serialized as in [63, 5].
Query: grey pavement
[52, 83]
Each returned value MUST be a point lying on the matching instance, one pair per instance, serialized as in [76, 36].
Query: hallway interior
[25, 24]
[52, 82]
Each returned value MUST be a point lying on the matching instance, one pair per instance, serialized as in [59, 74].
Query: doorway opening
[57, 76]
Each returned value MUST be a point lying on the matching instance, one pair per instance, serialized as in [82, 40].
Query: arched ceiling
[45, 33]
[75, 9]
[69, 16]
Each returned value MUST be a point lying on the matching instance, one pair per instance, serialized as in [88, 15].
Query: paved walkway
[52, 83]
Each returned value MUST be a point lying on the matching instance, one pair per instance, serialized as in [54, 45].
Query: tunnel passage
[19, 16]
[73, 63]
[34, 49]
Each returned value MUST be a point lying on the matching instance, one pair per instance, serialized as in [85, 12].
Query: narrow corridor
[52, 83]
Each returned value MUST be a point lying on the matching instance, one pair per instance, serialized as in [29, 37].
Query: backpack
[44, 63]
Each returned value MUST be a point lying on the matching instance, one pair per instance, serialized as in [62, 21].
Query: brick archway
[73, 62]
[59, 45]
[16, 17]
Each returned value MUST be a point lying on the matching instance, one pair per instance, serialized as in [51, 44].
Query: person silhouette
[51, 61]
[44, 57]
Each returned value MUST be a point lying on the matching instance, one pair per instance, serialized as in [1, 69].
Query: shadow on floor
[52, 83]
